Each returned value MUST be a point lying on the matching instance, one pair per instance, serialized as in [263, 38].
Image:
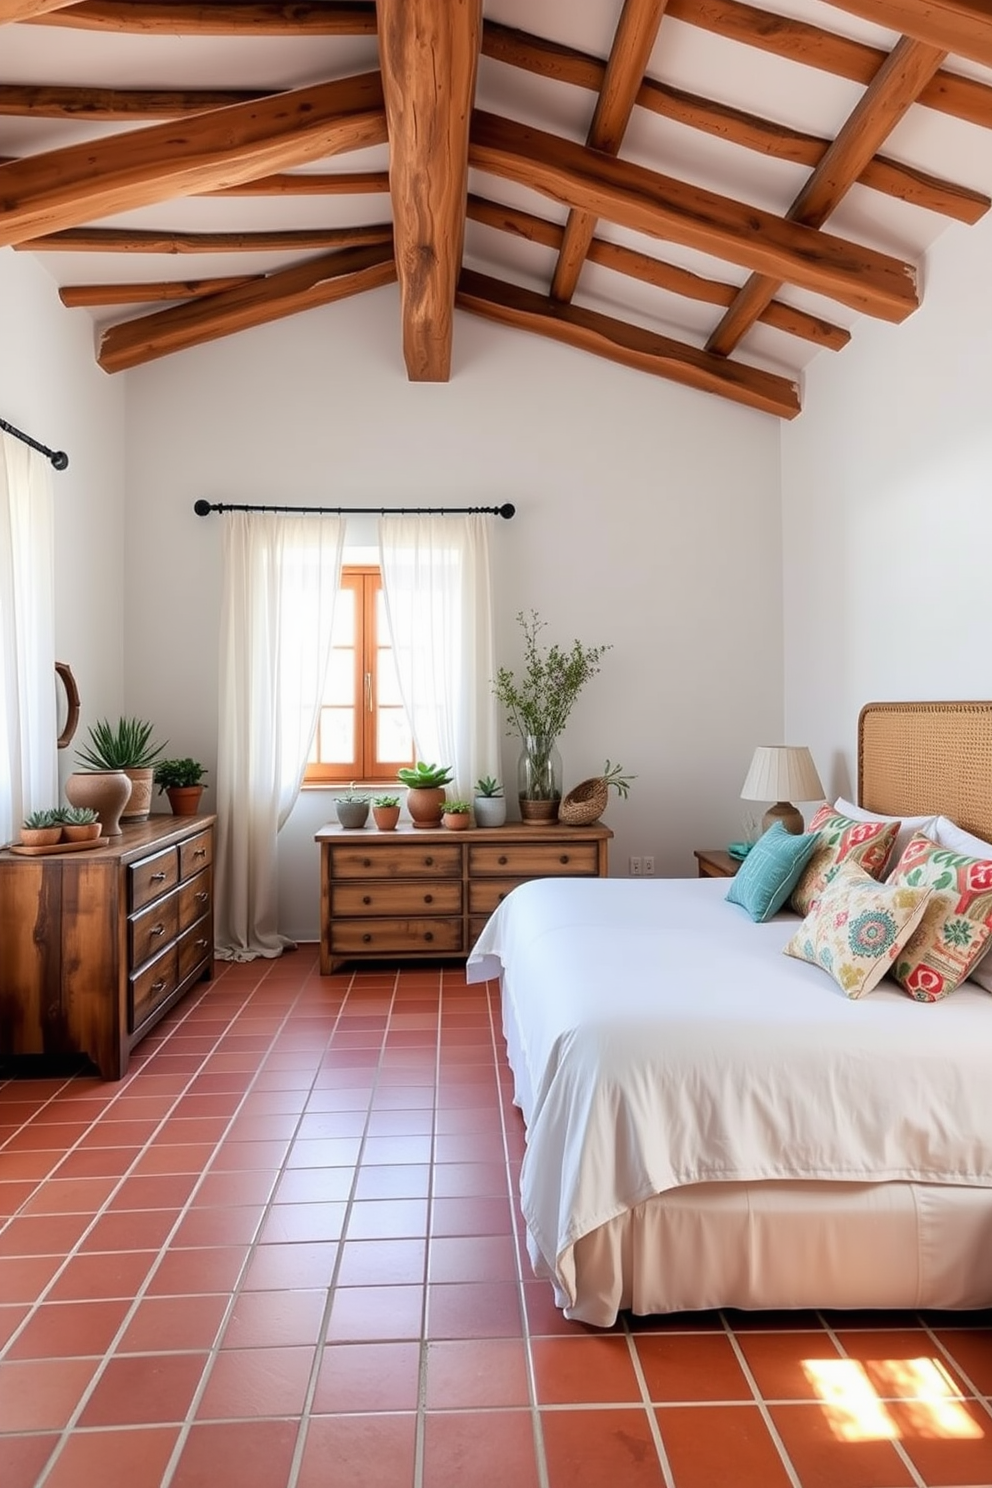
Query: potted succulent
[386, 812]
[490, 802]
[352, 807]
[79, 823]
[425, 792]
[181, 780]
[41, 829]
[456, 816]
[126, 745]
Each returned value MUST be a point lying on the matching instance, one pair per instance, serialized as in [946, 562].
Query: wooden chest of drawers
[417, 893]
[96, 946]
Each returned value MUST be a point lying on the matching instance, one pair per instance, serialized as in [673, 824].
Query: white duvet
[659, 1037]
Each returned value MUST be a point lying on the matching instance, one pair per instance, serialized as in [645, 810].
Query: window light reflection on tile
[852, 1407]
[855, 1411]
[927, 1396]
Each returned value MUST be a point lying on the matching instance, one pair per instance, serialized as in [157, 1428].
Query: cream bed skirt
[787, 1245]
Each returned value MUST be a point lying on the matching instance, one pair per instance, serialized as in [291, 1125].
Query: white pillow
[910, 826]
[948, 834]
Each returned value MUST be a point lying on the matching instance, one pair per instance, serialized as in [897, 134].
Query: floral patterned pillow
[954, 931]
[858, 927]
[842, 840]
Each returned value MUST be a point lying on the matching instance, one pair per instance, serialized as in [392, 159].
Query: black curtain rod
[204, 508]
[59, 458]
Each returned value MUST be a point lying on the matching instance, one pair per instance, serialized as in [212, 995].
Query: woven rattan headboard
[917, 759]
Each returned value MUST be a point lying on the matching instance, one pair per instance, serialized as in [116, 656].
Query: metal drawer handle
[199, 852]
[428, 898]
[563, 858]
[201, 896]
[501, 860]
[366, 938]
[157, 986]
[158, 929]
[158, 877]
[200, 944]
[429, 935]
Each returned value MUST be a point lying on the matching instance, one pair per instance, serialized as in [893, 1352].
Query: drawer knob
[428, 898]
[158, 986]
[201, 896]
[502, 860]
[201, 944]
[429, 935]
[366, 862]
[428, 862]
[366, 898]
[158, 929]
[158, 877]
[199, 852]
[563, 858]
[366, 938]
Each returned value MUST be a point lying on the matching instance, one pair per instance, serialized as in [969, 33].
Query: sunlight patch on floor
[852, 1402]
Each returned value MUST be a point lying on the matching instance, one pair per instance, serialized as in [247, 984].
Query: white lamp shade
[782, 772]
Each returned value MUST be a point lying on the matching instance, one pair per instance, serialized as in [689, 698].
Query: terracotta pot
[184, 799]
[138, 807]
[40, 836]
[81, 831]
[107, 791]
[456, 821]
[386, 817]
[425, 806]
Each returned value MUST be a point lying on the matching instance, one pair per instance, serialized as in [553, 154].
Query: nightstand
[715, 862]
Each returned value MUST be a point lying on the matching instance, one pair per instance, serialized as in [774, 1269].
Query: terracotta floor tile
[28, 1153]
[130, 1229]
[694, 1366]
[229, 1226]
[473, 1310]
[371, 1451]
[267, 1319]
[158, 1191]
[22, 1459]
[569, 1371]
[476, 1373]
[385, 1181]
[71, 1196]
[368, 1377]
[135, 1389]
[178, 1157]
[399, 1123]
[302, 1222]
[545, 1319]
[776, 1360]
[41, 1394]
[256, 1382]
[713, 1445]
[240, 1157]
[971, 1351]
[592, 1448]
[949, 1446]
[886, 1354]
[42, 1234]
[373, 1313]
[62, 1330]
[96, 1162]
[114, 1274]
[825, 1457]
[471, 1216]
[276, 1267]
[488, 1449]
[314, 1186]
[386, 1219]
[473, 1258]
[163, 1323]
[184, 1272]
[223, 1189]
[14, 1195]
[255, 1454]
[11, 1317]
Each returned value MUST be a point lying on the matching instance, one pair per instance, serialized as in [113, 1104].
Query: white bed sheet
[659, 1039]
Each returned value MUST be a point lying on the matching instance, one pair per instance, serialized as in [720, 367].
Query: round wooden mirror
[68, 706]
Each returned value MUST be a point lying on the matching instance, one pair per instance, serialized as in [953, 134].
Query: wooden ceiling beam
[429, 53]
[62, 188]
[647, 201]
[545, 59]
[630, 345]
[656, 271]
[962, 26]
[633, 42]
[216, 18]
[889, 96]
[948, 92]
[271, 297]
[77, 296]
[23, 101]
[310, 183]
[147, 240]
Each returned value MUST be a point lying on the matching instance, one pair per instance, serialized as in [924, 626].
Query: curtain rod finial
[201, 507]
[60, 459]
[507, 510]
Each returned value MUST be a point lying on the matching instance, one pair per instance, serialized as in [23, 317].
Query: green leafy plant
[488, 787]
[124, 746]
[37, 821]
[613, 775]
[77, 816]
[539, 701]
[457, 808]
[170, 773]
[385, 800]
[424, 776]
[353, 796]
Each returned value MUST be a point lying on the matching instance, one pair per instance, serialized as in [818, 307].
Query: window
[362, 732]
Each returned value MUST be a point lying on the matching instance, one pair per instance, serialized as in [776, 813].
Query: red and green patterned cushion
[842, 840]
[956, 925]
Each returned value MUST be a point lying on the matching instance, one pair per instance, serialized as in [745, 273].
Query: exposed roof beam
[25, 101]
[146, 240]
[285, 292]
[310, 183]
[948, 92]
[649, 202]
[633, 43]
[655, 271]
[632, 346]
[429, 53]
[219, 17]
[62, 188]
[26, 10]
[75, 296]
[962, 26]
[897, 83]
[547, 59]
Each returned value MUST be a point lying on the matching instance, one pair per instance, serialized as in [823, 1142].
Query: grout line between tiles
[770, 1426]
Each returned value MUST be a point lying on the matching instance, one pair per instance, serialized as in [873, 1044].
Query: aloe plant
[488, 787]
[124, 746]
[424, 776]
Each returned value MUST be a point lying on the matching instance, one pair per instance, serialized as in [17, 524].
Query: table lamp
[782, 773]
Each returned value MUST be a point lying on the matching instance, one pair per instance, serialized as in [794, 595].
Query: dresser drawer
[485, 894]
[195, 854]
[392, 937]
[441, 898]
[194, 947]
[152, 876]
[153, 928]
[151, 986]
[396, 862]
[194, 899]
[533, 859]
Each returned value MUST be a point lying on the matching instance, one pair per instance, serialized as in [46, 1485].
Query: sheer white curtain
[281, 576]
[28, 730]
[438, 594]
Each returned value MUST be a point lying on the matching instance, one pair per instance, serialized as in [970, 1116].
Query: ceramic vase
[107, 791]
[490, 811]
[138, 807]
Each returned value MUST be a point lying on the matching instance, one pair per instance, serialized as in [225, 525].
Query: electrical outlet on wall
[636, 867]
[648, 867]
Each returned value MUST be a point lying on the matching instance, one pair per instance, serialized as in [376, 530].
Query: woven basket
[585, 804]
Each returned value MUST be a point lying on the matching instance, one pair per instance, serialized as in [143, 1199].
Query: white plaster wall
[648, 517]
[51, 387]
[887, 500]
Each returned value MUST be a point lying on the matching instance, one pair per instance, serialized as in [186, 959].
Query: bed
[711, 1123]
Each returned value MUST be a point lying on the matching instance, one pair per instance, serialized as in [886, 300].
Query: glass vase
[539, 779]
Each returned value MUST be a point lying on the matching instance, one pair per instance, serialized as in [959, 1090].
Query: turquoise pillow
[771, 871]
